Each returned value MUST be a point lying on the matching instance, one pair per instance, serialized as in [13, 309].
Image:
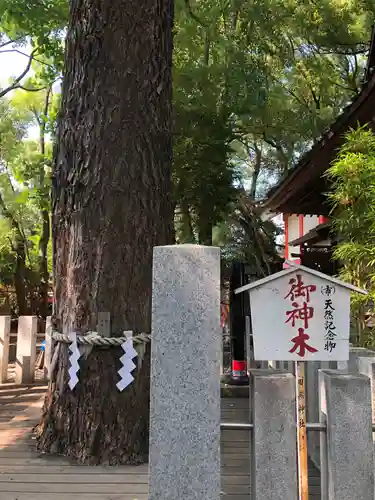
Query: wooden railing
[21, 348]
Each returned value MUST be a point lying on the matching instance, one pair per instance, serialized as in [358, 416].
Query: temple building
[301, 197]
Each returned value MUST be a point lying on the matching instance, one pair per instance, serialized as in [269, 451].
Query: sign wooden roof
[293, 268]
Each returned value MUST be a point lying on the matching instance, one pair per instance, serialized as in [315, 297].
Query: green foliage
[255, 83]
[248, 238]
[41, 21]
[353, 199]
[34, 29]
[279, 72]
[203, 174]
[24, 195]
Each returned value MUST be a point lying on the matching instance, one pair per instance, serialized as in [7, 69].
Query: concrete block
[26, 349]
[274, 450]
[48, 348]
[346, 403]
[354, 354]
[4, 347]
[366, 366]
[185, 374]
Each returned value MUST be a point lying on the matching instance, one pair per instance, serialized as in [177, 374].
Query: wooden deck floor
[27, 475]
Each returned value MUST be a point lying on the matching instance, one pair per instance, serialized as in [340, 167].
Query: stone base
[228, 379]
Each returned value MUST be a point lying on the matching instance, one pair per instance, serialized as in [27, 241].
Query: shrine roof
[321, 231]
[303, 190]
[298, 267]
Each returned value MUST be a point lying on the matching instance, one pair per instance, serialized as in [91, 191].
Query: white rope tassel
[73, 359]
[128, 366]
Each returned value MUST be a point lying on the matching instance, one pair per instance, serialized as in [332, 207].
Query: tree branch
[206, 51]
[42, 127]
[294, 95]
[256, 171]
[30, 90]
[20, 77]
[350, 89]
[344, 49]
[315, 97]
[26, 55]
[192, 15]
[282, 155]
[9, 42]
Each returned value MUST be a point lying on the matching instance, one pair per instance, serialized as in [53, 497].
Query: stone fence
[185, 426]
[21, 348]
[361, 362]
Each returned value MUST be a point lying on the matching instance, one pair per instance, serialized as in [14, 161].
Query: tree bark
[256, 172]
[205, 228]
[111, 205]
[187, 231]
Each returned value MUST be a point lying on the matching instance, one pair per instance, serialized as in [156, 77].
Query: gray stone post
[354, 354]
[274, 437]
[185, 374]
[342, 365]
[48, 348]
[312, 409]
[4, 347]
[322, 438]
[249, 354]
[346, 403]
[26, 349]
[366, 366]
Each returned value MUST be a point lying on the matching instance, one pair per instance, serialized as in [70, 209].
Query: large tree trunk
[111, 206]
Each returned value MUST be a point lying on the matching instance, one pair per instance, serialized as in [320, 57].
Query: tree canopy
[254, 84]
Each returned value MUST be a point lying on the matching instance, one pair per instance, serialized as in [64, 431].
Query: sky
[11, 64]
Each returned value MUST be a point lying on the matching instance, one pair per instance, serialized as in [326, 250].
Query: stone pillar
[4, 347]
[286, 365]
[312, 409]
[354, 354]
[346, 403]
[249, 354]
[366, 366]
[342, 365]
[322, 438]
[185, 374]
[26, 349]
[274, 443]
[48, 348]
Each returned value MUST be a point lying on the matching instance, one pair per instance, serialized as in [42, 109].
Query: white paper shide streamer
[73, 359]
[128, 366]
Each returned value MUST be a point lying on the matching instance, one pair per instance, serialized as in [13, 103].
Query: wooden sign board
[300, 314]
